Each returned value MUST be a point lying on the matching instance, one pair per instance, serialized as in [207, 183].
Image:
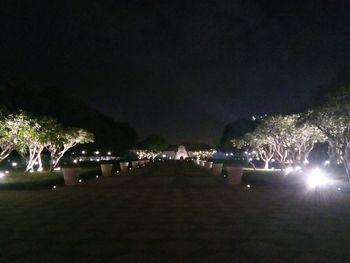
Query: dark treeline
[49, 101]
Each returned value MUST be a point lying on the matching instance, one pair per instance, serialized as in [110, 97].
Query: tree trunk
[266, 165]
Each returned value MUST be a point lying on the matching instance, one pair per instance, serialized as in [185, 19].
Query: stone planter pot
[217, 168]
[106, 169]
[124, 166]
[203, 163]
[208, 165]
[142, 163]
[234, 175]
[134, 164]
[71, 176]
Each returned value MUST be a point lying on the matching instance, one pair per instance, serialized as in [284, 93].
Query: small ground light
[117, 172]
[248, 185]
[129, 168]
[6, 172]
[80, 180]
[14, 164]
[2, 175]
[54, 187]
[97, 176]
[339, 189]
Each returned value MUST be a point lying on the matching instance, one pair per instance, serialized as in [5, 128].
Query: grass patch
[17, 179]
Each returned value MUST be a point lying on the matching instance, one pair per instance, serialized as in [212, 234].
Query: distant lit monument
[181, 153]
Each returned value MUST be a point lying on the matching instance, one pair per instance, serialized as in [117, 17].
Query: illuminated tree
[333, 119]
[260, 141]
[13, 128]
[61, 139]
[283, 138]
[23, 133]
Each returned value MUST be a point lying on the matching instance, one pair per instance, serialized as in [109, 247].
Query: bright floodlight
[2, 175]
[289, 170]
[316, 178]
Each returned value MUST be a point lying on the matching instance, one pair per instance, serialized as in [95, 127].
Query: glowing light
[31, 171]
[306, 161]
[130, 169]
[80, 180]
[298, 169]
[83, 152]
[57, 169]
[98, 160]
[97, 176]
[75, 161]
[327, 162]
[163, 155]
[339, 189]
[289, 170]
[248, 185]
[109, 153]
[6, 172]
[226, 154]
[40, 169]
[316, 178]
[54, 187]
[97, 152]
[14, 164]
[2, 174]
[117, 172]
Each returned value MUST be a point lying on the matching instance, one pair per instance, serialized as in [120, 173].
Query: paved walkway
[174, 212]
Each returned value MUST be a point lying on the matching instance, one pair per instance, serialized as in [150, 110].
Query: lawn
[173, 212]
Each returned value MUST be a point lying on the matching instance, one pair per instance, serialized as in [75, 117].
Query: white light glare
[316, 178]
[2, 175]
[289, 170]
[54, 187]
[248, 185]
[327, 162]
[14, 164]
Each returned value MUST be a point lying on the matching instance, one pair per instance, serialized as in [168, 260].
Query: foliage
[108, 133]
[333, 119]
[29, 136]
[154, 142]
[282, 137]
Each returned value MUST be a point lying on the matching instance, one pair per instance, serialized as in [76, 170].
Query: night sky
[180, 68]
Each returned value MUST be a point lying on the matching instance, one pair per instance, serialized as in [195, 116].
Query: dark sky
[180, 68]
